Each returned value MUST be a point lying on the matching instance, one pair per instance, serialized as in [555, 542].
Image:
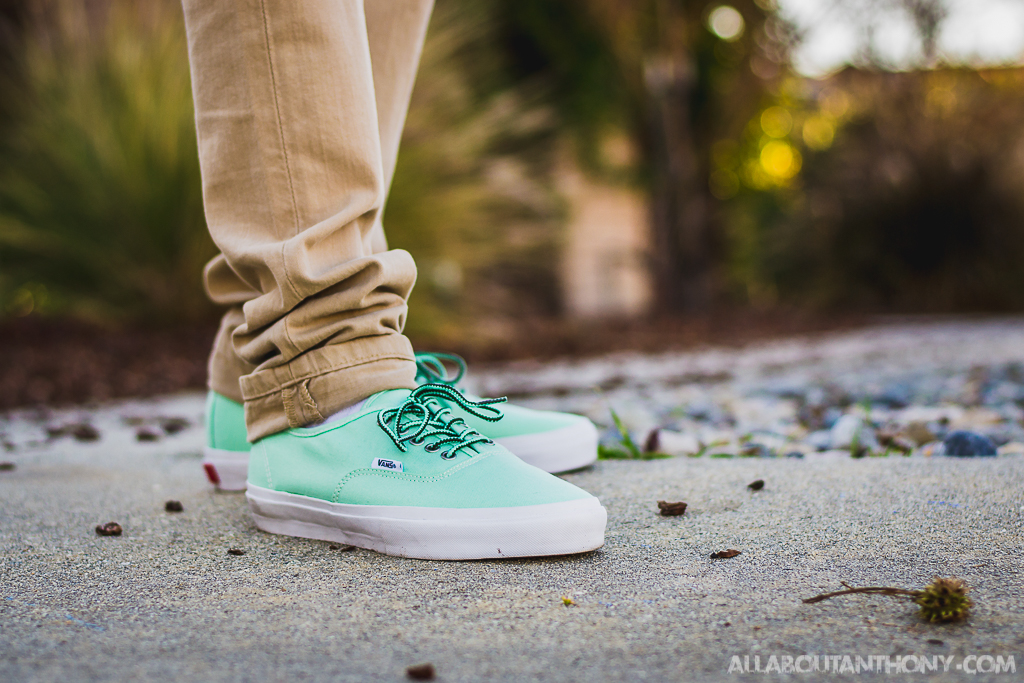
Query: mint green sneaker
[226, 456]
[407, 476]
[554, 442]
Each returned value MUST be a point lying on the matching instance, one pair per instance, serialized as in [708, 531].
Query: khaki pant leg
[293, 180]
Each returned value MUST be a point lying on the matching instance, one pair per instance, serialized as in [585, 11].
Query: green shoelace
[422, 416]
[430, 368]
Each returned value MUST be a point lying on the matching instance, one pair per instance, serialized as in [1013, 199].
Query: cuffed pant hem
[225, 367]
[322, 381]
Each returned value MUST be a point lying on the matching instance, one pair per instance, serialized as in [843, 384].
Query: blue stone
[964, 444]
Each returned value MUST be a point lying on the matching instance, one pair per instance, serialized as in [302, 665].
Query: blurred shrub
[100, 198]
[884, 191]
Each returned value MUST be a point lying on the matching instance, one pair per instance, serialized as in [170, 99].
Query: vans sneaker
[554, 442]
[407, 476]
[226, 456]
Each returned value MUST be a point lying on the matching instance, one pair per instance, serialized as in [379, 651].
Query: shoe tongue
[383, 400]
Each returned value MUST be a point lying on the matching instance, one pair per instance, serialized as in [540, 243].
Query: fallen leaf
[667, 509]
[756, 485]
[723, 554]
[567, 601]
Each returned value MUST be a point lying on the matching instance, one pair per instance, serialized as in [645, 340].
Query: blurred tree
[917, 204]
[675, 76]
[473, 197]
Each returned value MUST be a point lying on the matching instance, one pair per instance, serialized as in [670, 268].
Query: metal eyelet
[431, 447]
[447, 455]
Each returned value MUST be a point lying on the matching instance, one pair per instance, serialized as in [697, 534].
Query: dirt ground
[67, 362]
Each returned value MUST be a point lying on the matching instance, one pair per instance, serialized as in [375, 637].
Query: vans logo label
[384, 464]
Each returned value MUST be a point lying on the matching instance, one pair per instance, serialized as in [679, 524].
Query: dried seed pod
[421, 672]
[343, 548]
[174, 506]
[724, 554]
[756, 485]
[944, 600]
[109, 529]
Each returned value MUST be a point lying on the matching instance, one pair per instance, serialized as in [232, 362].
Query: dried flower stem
[942, 600]
[877, 590]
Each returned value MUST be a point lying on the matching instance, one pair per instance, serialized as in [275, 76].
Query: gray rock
[820, 440]
[850, 430]
[964, 444]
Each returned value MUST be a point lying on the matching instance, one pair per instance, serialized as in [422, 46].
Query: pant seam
[309, 402]
[333, 368]
[289, 407]
[277, 110]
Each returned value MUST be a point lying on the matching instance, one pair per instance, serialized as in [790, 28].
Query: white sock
[344, 413]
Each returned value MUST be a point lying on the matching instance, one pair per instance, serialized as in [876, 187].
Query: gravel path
[166, 601]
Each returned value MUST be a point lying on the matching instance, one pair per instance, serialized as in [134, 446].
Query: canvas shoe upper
[226, 456]
[552, 441]
[407, 476]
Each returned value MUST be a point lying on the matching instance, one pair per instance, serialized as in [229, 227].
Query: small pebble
[109, 529]
[756, 485]
[84, 432]
[173, 425]
[935, 641]
[964, 444]
[667, 509]
[236, 551]
[6, 466]
[421, 672]
[174, 506]
[144, 434]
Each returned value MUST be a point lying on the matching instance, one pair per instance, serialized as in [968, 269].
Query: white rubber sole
[559, 450]
[227, 470]
[575, 526]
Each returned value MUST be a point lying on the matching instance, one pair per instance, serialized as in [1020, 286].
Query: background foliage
[867, 190]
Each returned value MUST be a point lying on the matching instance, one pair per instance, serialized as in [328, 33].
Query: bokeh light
[818, 133]
[726, 23]
[779, 160]
[776, 122]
